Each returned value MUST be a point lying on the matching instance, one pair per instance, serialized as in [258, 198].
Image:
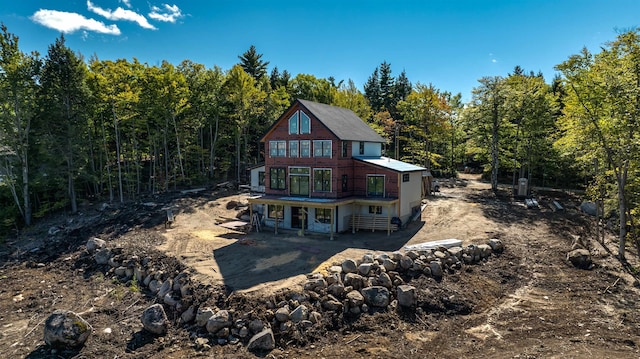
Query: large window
[299, 181]
[305, 148]
[277, 178]
[299, 123]
[322, 180]
[323, 215]
[375, 186]
[293, 149]
[275, 211]
[277, 148]
[322, 148]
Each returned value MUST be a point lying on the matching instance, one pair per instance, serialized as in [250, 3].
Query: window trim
[278, 178]
[328, 181]
[323, 148]
[345, 183]
[345, 148]
[326, 215]
[293, 173]
[275, 150]
[406, 177]
[301, 129]
[295, 118]
[305, 142]
[297, 146]
[383, 177]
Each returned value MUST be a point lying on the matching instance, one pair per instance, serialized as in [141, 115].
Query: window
[322, 148]
[375, 186]
[322, 180]
[345, 183]
[299, 123]
[344, 149]
[299, 181]
[293, 149]
[305, 148]
[277, 148]
[323, 215]
[261, 178]
[277, 178]
[405, 177]
[375, 209]
[293, 124]
[275, 211]
[361, 148]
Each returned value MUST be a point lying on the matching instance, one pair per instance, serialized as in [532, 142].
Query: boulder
[580, 258]
[256, 325]
[188, 315]
[337, 290]
[349, 266]
[203, 315]
[485, 250]
[367, 258]
[262, 341]
[355, 298]
[385, 280]
[376, 296]
[389, 264]
[455, 252]
[436, 269]
[154, 319]
[93, 244]
[221, 319]
[299, 314]
[102, 256]
[315, 284]
[283, 314]
[332, 304]
[65, 328]
[365, 268]
[354, 280]
[406, 296]
[496, 245]
[406, 262]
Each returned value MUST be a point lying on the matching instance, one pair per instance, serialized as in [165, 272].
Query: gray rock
[412, 254]
[154, 286]
[418, 265]
[337, 290]
[436, 269]
[365, 268]
[170, 300]
[580, 258]
[120, 271]
[64, 329]
[380, 258]
[299, 314]
[94, 244]
[367, 258]
[440, 254]
[221, 319]
[188, 315]
[332, 304]
[203, 315]
[406, 262]
[165, 288]
[256, 325]
[355, 298]
[385, 280]
[589, 208]
[154, 319]
[349, 266]
[389, 264]
[262, 341]
[315, 284]
[406, 295]
[354, 280]
[496, 245]
[455, 252]
[396, 256]
[376, 296]
[485, 250]
[333, 278]
[243, 332]
[102, 256]
[283, 314]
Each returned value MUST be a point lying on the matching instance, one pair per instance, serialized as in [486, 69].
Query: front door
[296, 218]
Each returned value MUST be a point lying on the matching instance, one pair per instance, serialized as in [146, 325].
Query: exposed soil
[528, 302]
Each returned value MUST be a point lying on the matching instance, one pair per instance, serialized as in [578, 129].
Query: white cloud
[126, 3]
[169, 13]
[121, 14]
[69, 22]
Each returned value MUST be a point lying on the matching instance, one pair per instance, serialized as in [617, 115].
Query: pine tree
[252, 64]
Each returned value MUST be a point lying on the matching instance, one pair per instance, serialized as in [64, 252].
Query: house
[324, 172]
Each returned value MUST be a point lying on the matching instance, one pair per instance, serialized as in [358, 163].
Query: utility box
[522, 187]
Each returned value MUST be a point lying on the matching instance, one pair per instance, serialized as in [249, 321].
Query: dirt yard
[528, 302]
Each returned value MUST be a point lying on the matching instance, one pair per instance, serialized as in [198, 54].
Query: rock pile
[353, 287]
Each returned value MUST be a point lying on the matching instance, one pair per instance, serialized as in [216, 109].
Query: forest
[76, 130]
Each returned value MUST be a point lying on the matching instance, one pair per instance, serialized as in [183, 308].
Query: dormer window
[299, 123]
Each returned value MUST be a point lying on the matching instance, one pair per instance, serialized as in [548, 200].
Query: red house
[324, 172]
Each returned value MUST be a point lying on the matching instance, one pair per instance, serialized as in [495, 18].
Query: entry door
[296, 218]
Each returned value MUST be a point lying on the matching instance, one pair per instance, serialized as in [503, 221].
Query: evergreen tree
[252, 63]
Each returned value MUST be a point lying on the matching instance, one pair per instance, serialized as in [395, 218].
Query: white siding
[254, 180]
[410, 195]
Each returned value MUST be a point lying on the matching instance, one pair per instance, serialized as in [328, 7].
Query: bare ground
[529, 302]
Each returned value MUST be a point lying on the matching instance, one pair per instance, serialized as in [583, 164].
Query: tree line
[74, 130]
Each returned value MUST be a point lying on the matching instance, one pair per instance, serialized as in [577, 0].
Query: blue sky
[448, 43]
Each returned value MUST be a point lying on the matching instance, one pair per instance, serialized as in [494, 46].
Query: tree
[62, 121]
[308, 87]
[252, 63]
[485, 119]
[19, 74]
[602, 114]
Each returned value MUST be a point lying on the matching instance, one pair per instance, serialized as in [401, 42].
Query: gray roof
[344, 123]
[389, 163]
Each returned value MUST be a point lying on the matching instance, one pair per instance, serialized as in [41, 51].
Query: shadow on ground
[262, 258]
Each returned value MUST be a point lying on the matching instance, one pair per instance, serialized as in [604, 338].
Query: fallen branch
[612, 285]
[34, 328]
[353, 339]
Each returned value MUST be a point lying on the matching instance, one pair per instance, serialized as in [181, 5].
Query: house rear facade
[324, 172]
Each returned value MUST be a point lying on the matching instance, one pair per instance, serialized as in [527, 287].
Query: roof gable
[342, 122]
